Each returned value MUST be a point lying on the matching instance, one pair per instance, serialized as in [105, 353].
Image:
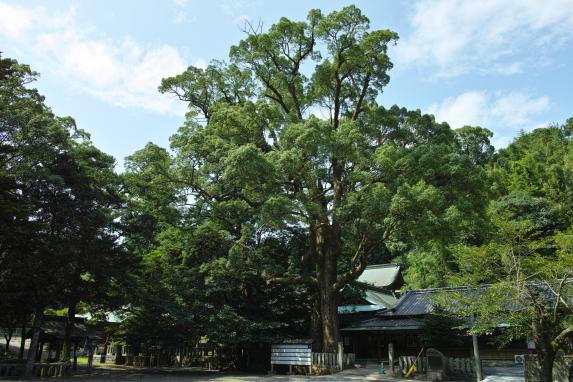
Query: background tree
[527, 254]
[189, 278]
[58, 244]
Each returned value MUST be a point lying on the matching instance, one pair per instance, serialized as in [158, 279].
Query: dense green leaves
[59, 242]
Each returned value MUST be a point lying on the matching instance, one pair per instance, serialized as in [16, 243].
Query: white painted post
[340, 353]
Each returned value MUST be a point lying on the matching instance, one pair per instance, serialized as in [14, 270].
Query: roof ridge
[387, 265]
[459, 287]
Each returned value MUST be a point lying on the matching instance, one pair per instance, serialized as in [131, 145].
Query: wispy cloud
[505, 113]
[456, 36]
[123, 72]
[182, 14]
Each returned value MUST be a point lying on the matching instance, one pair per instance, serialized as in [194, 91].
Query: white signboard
[291, 354]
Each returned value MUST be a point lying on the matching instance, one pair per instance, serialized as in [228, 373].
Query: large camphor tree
[289, 135]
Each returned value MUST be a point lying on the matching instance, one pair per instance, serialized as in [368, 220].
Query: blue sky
[501, 64]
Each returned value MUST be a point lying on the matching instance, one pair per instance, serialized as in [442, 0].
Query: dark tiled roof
[419, 302]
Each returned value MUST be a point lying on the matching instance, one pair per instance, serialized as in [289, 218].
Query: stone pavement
[504, 374]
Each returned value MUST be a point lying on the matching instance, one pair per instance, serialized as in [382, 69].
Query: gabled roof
[377, 301]
[385, 299]
[382, 277]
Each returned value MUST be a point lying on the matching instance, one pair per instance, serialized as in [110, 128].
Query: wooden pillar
[50, 350]
[477, 358]
[391, 357]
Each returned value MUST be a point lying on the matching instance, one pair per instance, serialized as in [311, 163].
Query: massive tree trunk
[329, 320]
[68, 331]
[36, 328]
[328, 242]
[316, 323]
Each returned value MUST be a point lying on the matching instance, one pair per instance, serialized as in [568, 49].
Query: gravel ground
[179, 375]
[122, 373]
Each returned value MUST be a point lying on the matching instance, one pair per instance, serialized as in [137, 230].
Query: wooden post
[90, 355]
[339, 356]
[391, 357]
[477, 358]
[75, 365]
[40, 351]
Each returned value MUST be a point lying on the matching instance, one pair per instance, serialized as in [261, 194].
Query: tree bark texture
[36, 328]
[68, 332]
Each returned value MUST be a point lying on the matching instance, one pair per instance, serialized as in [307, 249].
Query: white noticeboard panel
[291, 354]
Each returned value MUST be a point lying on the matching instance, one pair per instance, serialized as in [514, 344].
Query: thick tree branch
[293, 280]
[562, 337]
[358, 107]
[359, 262]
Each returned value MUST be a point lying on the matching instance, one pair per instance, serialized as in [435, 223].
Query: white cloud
[516, 109]
[123, 72]
[469, 108]
[200, 63]
[14, 20]
[181, 3]
[181, 12]
[505, 113]
[457, 36]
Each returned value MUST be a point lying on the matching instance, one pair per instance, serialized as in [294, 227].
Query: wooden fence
[11, 369]
[53, 369]
[329, 361]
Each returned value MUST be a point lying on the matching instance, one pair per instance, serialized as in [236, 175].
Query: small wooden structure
[292, 353]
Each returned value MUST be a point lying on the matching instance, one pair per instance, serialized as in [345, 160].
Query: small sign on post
[292, 353]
